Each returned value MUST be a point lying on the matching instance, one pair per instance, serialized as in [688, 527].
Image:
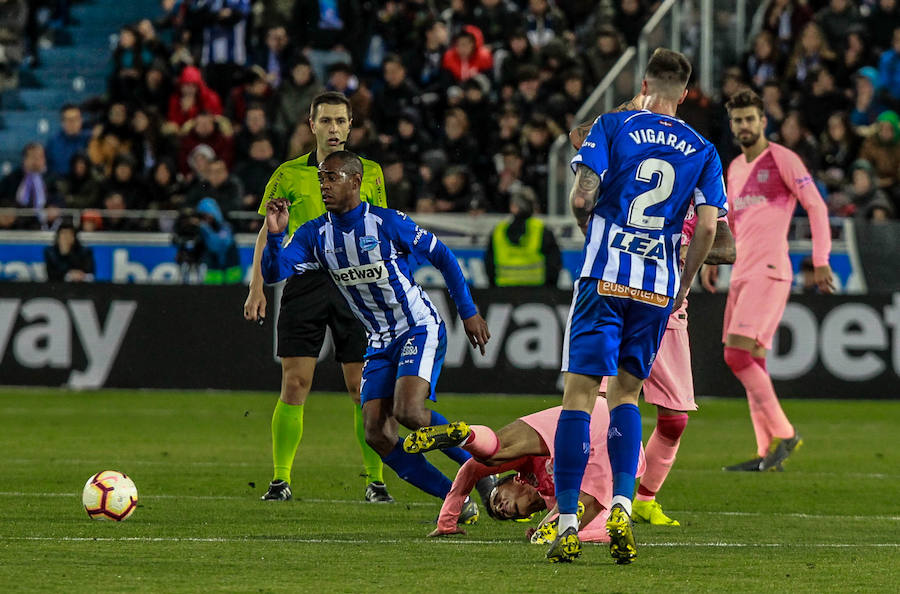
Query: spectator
[773, 105]
[68, 141]
[862, 195]
[508, 129]
[811, 50]
[301, 141]
[68, 260]
[695, 109]
[152, 47]
[342, 80]
[115, 218]
[604, 53]
[478, 107]
[528, 93]
[866, 105]
[328, 32]
[224, 41]
[255, 125]
[294, 97]
[794, 135]
[217, 246]
[889, 70]
[459, 144]
[254, 172]
[400, 190]
[81, 186]
[543, 23]
[854, 55]
[629, 19]
[459, 192]
[763, 64]
[14, 15]
[220, 185]
[881, 22]
[167, 191]
[213, 131]
[838, 148]
[468, 56]
[275, 57]
[151, 141]
[129, 62]
[496, 19]
[563, 106]
[517, 53]
[425, 61]
[822, 100]
[126, 182]
[104, 147]
[836, 19]
[509, 166]
[410, 143]
[198, 161]
[29, 187]
[539, 134]
[785, 19]
[155, 89]
[882, 149]
[192, 97]
[522, 251]
[397, 95]
[456, 16]
[254, 89]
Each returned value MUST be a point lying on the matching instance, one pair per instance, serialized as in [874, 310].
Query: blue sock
[458, 455]
[572, 446]
[417, 471]
[623, 443]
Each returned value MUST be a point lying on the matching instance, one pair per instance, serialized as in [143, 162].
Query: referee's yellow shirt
[298, 181]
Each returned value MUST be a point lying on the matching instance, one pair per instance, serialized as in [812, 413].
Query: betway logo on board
[45, 340]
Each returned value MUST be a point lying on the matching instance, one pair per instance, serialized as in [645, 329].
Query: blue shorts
[604, 333]
[418, 352]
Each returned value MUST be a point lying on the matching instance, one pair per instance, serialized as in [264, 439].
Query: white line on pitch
[425, 504]
[823, 545]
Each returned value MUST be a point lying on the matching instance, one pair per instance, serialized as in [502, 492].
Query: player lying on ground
[670, 385]
[527, 446]
[365, 249]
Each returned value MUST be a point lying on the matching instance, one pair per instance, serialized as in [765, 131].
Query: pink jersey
[538, 470]
[762, 197]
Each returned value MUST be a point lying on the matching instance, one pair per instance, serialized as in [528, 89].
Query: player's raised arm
[426, 246]
[277, 262]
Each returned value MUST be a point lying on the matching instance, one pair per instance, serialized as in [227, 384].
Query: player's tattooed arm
[581, 131]
[722, 251]
[583, 196]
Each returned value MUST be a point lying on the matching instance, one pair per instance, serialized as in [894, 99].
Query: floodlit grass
[831, 521]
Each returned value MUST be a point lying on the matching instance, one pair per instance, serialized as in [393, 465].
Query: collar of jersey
[349, 218]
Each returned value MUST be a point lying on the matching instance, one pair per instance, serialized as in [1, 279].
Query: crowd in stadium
[459, 100]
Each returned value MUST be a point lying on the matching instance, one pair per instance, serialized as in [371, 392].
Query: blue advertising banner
[151, 259]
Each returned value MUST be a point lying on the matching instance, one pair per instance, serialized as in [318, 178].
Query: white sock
[624, 502]
[567, 521]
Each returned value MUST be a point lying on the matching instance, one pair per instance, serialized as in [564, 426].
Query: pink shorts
[597, 481]
[671, 381]
[754, 308]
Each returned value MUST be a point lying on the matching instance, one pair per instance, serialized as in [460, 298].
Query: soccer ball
[109, 495]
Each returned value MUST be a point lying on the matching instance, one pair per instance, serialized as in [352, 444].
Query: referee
[310, 302]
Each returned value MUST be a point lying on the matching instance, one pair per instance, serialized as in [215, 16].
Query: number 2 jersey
[651, 167]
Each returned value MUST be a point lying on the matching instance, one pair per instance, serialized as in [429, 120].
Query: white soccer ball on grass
[109, 495]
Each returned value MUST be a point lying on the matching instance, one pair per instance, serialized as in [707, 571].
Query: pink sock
[660, 453]
[765, 411]
[482, 442]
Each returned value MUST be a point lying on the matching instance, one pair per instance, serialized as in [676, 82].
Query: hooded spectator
[889, 69]
[217, 246]
[468, 56]
[882, 149]
[192, 97]
[866, 104]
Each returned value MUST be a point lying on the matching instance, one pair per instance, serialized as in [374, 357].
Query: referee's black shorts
[309, 303]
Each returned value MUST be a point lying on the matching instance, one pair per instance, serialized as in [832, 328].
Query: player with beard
[764, 185]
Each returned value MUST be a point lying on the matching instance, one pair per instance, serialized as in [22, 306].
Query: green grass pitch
[830, 522]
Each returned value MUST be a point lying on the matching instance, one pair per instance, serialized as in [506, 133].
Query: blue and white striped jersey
[365, 250]
[651, 166]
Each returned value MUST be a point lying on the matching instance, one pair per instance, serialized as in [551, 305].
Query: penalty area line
[441, 541]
